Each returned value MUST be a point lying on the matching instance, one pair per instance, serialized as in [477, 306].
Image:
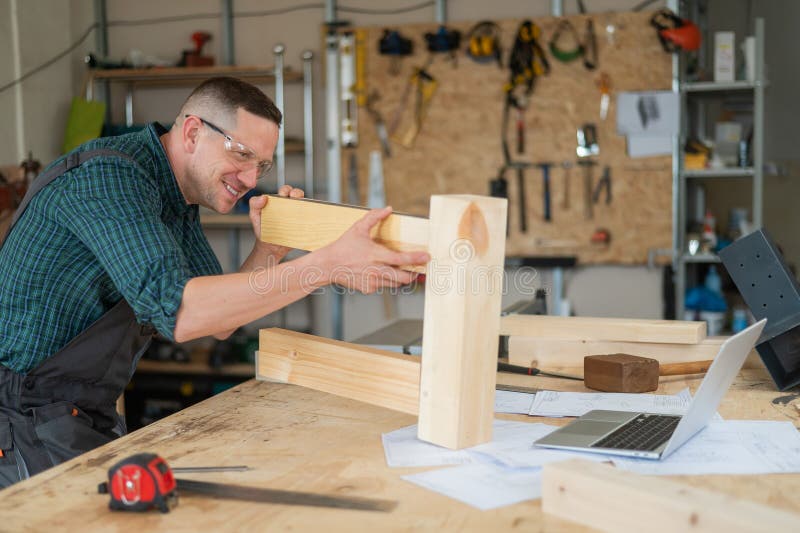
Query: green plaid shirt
[107, 230]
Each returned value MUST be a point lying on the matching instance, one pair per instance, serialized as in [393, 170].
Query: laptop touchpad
[589, 428]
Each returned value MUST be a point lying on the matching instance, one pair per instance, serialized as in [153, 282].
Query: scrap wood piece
[609, 499]
[310, 224]
[377, 377]
[553, 354]
[604, 329]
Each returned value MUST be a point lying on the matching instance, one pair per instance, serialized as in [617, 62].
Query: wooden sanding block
[622, 372]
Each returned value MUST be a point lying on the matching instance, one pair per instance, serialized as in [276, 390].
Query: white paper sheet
[652, 113]
[557, 404]
[729, 447]
[402, 448]
[512, 402]
[512, 446]
[484, 486]
[648, 146]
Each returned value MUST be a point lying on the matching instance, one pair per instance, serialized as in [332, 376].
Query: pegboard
[458, 149]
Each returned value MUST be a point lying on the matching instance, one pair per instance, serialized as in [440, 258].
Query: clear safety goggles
[243, 157]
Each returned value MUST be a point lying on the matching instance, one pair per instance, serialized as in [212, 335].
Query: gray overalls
[67, 405]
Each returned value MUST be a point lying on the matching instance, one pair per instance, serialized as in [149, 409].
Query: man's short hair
[225, 95]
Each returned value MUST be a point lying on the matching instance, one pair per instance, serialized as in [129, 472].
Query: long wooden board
[608, 499]
[463, 290]
[378, 377]
[546, 353]
[310, 224]
[603, 329]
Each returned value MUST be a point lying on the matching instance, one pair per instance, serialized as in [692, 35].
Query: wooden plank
[378, 377]
[463, 289]
[311, 224]
[608, 499]
[604, 329]
[548, 353]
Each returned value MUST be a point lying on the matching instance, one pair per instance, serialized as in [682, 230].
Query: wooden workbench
[301, 439]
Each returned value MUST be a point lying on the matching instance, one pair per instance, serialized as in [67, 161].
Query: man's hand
[266, 250]
[355, 261]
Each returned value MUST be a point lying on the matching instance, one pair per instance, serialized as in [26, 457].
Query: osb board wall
[459, 150]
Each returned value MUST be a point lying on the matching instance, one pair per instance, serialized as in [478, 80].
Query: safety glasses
[243, 157]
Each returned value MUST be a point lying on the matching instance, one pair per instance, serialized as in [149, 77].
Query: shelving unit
[681, 258]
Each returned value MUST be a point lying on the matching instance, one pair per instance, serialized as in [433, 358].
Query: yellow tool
[425, 85]
[604, 83]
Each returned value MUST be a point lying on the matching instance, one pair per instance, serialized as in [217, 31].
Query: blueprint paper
[512, 402]
[557, 404]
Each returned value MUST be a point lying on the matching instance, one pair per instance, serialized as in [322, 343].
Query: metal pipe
[557, 8]
[308, 121]
[129, 105]
[101, 43]
[441, 12]
[16, 59]
[678, 184]
[330, 11]
[228, 53]
[334, 163]
[280, 151]
[758, 127]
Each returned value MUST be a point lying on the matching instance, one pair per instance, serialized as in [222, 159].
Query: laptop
[655, 436]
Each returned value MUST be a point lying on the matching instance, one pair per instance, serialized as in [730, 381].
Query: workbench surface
[304, 440]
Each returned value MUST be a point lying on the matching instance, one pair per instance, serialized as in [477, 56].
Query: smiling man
[107, 249]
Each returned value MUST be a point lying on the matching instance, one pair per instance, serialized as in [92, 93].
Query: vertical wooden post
[463, 289]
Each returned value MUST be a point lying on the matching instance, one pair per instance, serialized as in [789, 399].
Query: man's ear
[191, 133]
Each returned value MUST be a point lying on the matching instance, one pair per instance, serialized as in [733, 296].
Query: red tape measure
[139, 483]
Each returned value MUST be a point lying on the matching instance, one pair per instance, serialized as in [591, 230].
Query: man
[107, 248]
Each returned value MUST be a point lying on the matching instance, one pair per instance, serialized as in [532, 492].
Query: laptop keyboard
[645, 432]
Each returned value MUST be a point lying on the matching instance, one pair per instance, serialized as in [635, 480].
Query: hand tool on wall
[567, 166]
[675, 33]
[604, 84]
[565, 56]
[395, 46]
[604, 183]
[445, 41]
[425, 87]
[483, 43]
[589, 40]
[144, 481]
[361, 67]
[546, 190]
[587, 141]
[587, 147]
[347, 89]
[526, 62]
[523, 206]
[352, 179]
[587, 164]
[376, 196]
[498, 187]
[380, 125]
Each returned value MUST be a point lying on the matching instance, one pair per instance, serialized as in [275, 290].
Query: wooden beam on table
[310, 224]
[603, 329]
[553, 354]
[608, 499]
[378, 377]
[463, 289]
